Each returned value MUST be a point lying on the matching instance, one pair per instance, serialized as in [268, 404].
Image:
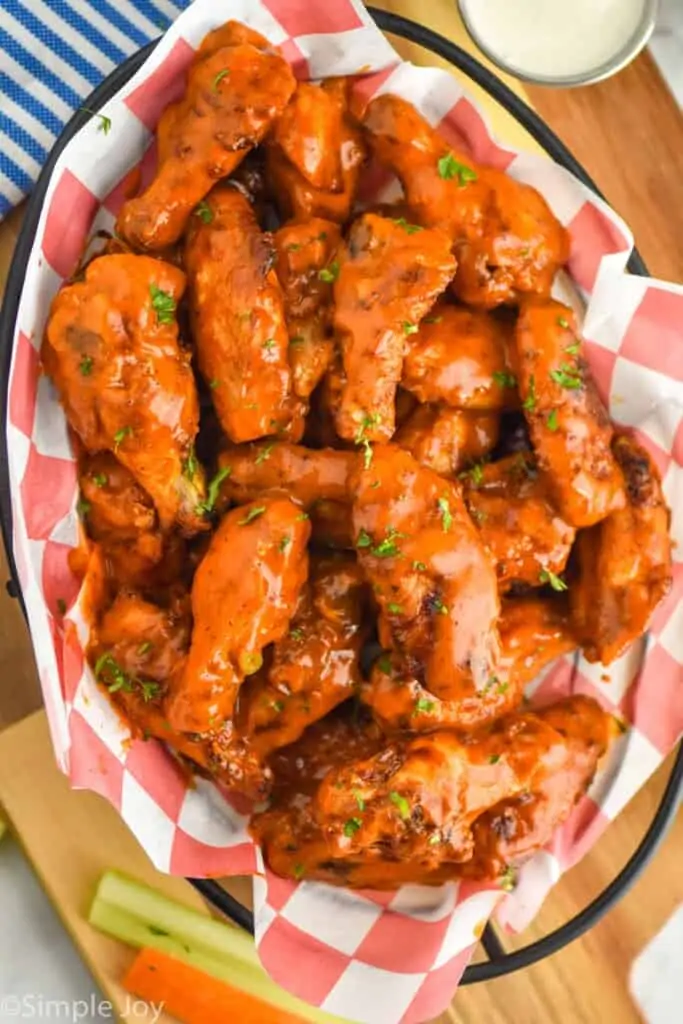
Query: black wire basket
[499, 962]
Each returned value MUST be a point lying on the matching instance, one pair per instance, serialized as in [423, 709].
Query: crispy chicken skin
[624, 561]
[447, 439]
[111, 349]
[458, 356]
[388, 280]
[234, 94]
[533, 632]
[511, 505]
[244, 594]
[431, 576]
[506, 239]
[315, 122]
[509, 833]
[305, 474]
[410, 812]
[305, 250]
[238, 319]
[570, 430]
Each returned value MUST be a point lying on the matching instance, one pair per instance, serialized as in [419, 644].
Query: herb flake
[401, 804]
[450, 168]
[163, 304]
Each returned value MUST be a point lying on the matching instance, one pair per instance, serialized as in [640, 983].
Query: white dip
[554, 38]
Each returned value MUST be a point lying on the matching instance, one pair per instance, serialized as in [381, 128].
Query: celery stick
[139, 916]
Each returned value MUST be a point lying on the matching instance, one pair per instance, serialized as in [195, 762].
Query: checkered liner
[380, 958]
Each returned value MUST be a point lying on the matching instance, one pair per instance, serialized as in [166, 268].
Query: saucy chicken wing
[533, 632]
[507, 834]
[305, 252]
[459, 356]
[234, 93]
[447, 439]
[244, 594]
[111, 349]
[305, 474]
[316, 153]
[431, 576]
[409, 813]
[570, 430]
[624, 561]
[388, 280]
[506, 239]
[510, 503]
[238, 319]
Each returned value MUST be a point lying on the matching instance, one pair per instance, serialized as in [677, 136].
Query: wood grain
[629, 134]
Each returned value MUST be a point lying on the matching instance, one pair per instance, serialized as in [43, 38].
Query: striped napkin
[52, 55]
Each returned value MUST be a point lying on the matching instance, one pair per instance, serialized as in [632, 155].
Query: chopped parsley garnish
[86, 365]
[573, 349]
[302, 516]
[293, 247]
[419, 567]
[299, 871]
[508, 879]
[251, 515]
[298, 339]
[409, 328]
[209, 504]
[269, 343]
[401, 804]
[284, 542]
[369, 420]
[364, 540]
[296, 633]
[120, 436]
[567, 377]
[505, 379]
[83, 507]
[278, 705]
[432, 320]
[61, 606]
[264, 453]
[190, 464]
[329, 274]
[494, 758]
[450, 168]
[446, 515]
[219, 78]
[100, 479]
[163, 304]
[352, 826]
[204, 212]
[410, 229]
[359, 800]
[145, 647]
[213, 384]
[384, 664]
[388, 548]
[439, 607]
[551, 421]
[149, 690]
[367, 453]
[116, 679]
[478, 515]
[105, 122]
[394, 609]
[475, 474]
[529, 402]
[563, 323]
[375, 485]
[425, 706]
[556, 582]
[434, 839]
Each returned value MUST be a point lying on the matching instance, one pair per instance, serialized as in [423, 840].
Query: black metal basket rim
[500, 963]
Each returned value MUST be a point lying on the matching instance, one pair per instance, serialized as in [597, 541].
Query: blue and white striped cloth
[52, 55]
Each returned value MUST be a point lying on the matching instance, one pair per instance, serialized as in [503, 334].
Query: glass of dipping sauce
[556, 43]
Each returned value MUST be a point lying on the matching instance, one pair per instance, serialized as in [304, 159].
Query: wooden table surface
[628, 133]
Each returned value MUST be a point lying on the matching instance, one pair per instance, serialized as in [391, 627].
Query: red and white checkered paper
[381, 958]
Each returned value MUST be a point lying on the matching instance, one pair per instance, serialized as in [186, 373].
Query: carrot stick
[195, 997]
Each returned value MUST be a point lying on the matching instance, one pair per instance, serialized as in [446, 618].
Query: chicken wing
[507, 834]
[234, 93]
[506, 239]
[388, 280]
[111, 349]
[306, 475]
[510, 504]
[316, 143]
[570, 430]
[238, 319]
[459, 356]
[304, 253]
[409, 813]
[624, 561]
[432, 578]
[244, 594]
[446, 439]
[533, 633]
